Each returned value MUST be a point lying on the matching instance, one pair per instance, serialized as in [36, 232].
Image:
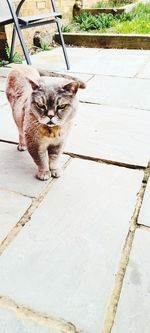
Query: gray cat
[43, 105]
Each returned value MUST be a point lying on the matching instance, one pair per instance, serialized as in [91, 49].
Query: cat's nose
[50, 114]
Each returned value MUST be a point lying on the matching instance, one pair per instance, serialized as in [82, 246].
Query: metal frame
[20, 24]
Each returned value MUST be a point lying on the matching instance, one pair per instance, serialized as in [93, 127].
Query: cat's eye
[61, 112]
[62, 106]
[41, 106]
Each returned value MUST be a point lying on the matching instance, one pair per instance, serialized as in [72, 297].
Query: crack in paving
[28, 214]
[134, 76]
[102, 160]
[118, 283]
[58, 324]
[143, 226]
[113, 105]
[9, 141]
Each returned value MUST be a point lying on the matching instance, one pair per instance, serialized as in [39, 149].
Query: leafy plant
[44, 45]
[66, 28]
[3, 62]
[16, 58]
[87, 21]
[125, 16]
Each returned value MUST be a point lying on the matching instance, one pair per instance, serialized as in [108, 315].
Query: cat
[43, 106]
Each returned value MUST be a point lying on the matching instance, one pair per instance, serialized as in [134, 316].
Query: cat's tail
[44, 72]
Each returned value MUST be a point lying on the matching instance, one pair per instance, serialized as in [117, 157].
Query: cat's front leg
[40, 157]
[54, 161]
[54, 165]
[43, 166]
[22, 145]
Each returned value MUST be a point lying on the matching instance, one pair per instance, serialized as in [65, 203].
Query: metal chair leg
[63, 44]
[17, 28]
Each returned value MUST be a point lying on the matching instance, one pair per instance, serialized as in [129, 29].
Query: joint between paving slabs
[9, 141]
[144, 227]
[28, 214]
[118, 283]
[104, 161]
[58, 324]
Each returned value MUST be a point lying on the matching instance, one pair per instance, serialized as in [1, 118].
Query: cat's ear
[71, 87]
[34, 84]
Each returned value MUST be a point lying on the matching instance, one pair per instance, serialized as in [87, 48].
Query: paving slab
[144, 216]
[63, 262]
[106, 62]
[54, 59]
[145, 71]
[18, 171]
[11, 323]
[124, 63]
[4, 71]
[133, 309]
[117, 91]
[12, 207]
[3, 99]
[82, 76]
[8, 128]
[2, 83]
[112, 133]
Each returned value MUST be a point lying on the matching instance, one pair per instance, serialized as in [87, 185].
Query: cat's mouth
[47, 121]
[51, 124]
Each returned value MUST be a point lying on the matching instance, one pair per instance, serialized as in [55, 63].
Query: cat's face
[53, 102]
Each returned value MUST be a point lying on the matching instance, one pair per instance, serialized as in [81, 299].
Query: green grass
[111, 4]
[137, 22]
[136, 26]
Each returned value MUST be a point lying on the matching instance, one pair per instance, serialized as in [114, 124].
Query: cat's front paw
[21, 147]
[56, 172]
[43, 175]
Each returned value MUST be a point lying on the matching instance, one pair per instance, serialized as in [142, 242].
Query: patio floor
[75, 250]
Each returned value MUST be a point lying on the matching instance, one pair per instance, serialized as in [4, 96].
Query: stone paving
[75, 251]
